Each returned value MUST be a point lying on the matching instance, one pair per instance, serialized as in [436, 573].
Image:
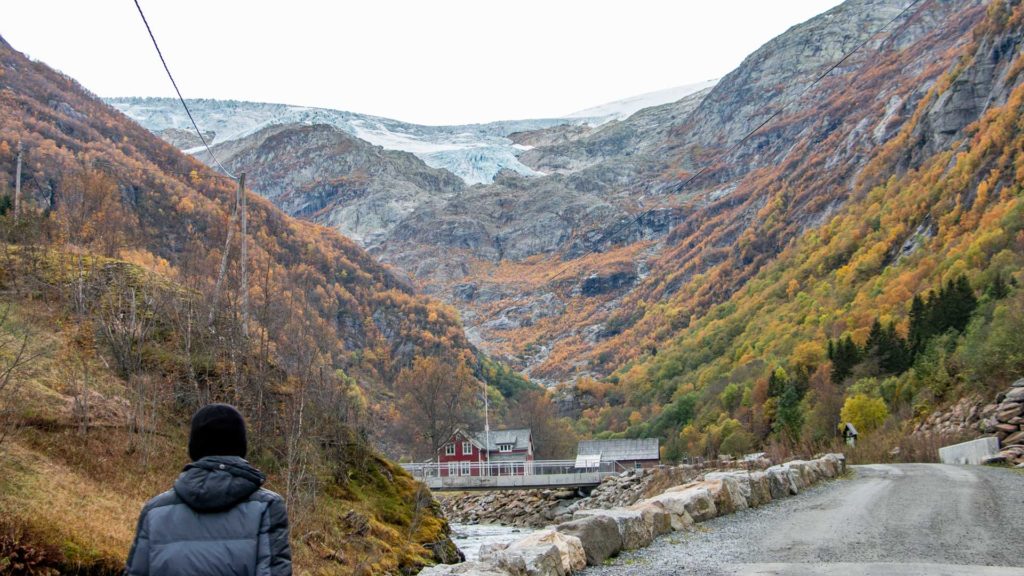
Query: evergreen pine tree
[875, 339]
[846, 356]
[998, 289]
[962, 303]
[918, 319]
[938, 305]
[894, 357]
[777, 383]
[790, 419]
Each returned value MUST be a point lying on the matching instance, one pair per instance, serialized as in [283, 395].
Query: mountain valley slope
[654, 241]
[110, 277]
[549, 272]
[857, 259]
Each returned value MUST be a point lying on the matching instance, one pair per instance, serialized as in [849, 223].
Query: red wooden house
[500, 453]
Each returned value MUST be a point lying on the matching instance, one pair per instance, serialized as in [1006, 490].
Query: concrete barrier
[972, 452]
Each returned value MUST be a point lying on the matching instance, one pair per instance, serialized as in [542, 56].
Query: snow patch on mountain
[622, 109]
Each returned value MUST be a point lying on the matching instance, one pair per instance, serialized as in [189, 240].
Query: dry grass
[80, 493]
[93, 523]
[879, 447]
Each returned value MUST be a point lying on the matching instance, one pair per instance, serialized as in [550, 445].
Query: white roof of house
[620, 450]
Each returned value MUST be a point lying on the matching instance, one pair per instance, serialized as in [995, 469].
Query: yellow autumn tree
[865, 413]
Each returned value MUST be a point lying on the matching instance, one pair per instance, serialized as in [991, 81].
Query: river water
[469, 537]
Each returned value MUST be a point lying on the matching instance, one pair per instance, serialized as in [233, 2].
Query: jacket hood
[217, 483]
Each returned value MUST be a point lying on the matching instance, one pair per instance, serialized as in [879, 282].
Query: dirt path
[905, 520]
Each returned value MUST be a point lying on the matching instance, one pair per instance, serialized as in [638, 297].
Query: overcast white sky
[432, 62]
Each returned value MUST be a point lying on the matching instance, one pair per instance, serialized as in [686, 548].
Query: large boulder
[659, 519]
[635, 530]
[727, 490]
[821, 468]
[543, 560]
[828, 466]
[760, 489]
[782, 482]
[675, 504]
[1016, 394]
[1015, 438]
[839, 460]
[569, 548]
[699, 502]
[795, 479]
[526, 561]
[599, 535]
[512, 563]
[804, 474]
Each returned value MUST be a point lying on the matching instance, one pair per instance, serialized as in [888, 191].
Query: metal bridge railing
[510, 474]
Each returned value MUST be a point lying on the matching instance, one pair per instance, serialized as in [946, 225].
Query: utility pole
[487, 430]
[224, 259]
[17, 186]
[245, 254]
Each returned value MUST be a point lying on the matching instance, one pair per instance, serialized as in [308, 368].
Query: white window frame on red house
[466, 468]
[504, 447]
[449, 449]
[453, 468]
[467, 448]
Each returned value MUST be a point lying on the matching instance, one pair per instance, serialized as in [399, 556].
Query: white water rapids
[469, 537]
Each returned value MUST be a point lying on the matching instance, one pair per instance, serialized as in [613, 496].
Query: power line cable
[740, 142]
[175, 84]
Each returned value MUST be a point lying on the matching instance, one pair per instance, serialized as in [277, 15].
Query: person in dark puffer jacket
[217, 520]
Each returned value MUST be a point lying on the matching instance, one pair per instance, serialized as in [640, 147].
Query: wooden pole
[224, 258]
[245, 254]
[17, 185]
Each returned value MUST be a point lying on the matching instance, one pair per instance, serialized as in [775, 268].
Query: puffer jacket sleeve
[276, 552]
[138, 557]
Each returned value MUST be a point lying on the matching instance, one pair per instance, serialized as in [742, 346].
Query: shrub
[864, 412]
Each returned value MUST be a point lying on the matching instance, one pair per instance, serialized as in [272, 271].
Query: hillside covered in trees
[124, 306]
[903, 300]
[834, 221]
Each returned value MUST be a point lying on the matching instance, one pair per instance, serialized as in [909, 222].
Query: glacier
[474, 152]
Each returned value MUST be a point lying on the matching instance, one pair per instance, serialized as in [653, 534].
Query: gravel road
[883, 520]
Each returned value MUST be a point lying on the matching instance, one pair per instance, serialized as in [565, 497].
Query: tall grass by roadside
[879, 447]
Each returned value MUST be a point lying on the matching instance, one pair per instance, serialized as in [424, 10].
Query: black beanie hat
[217, 430]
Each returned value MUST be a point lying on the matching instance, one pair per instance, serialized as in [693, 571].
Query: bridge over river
[511, 475]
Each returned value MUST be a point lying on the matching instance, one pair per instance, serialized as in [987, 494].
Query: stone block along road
[881, 520]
